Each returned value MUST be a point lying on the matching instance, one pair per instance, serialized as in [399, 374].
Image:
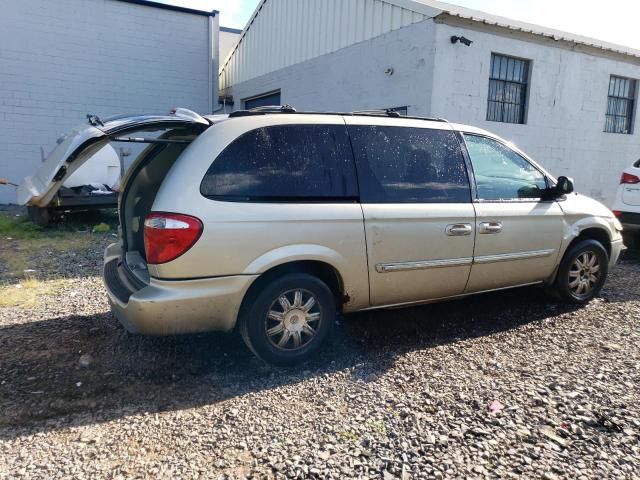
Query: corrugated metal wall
[286, 32]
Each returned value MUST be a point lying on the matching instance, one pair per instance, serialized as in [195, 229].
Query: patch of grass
[25, 246]
[378, 426]
[18, 227]
[101, 228]
[348, 435]
[41, 254]
[29, 293]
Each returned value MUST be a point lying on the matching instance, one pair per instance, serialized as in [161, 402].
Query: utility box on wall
[61, 60]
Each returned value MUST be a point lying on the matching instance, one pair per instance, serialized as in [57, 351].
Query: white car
[627, 204]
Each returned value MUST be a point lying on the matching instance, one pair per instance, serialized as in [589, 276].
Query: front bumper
[170, 307]
[630, 221]
[617, 247]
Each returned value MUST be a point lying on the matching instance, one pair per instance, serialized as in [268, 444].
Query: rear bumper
[169, 307]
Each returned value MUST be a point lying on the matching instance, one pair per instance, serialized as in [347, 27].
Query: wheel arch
[601, 235]
[598, 233]
[326, 272]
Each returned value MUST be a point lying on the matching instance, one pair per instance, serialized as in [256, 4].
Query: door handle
[490, 228]
[459, 229]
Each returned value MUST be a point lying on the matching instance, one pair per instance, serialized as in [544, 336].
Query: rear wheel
[288, 321]
[583, 272]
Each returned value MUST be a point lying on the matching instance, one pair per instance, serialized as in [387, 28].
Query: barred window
[507, 89]
[622, 92]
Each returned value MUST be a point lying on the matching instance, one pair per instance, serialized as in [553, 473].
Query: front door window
[501, 174]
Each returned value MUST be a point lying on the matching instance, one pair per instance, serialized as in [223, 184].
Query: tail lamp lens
[629, 178]
[169, 235]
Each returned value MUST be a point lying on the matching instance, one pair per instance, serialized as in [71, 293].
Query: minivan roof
[288, 110]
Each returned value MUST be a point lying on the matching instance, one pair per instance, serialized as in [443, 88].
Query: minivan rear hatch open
[78, 146]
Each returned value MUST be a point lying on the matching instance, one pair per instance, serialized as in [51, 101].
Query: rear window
[285, 163]
[409, 165]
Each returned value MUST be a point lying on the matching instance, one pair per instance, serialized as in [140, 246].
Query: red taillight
[617, 213]
[169, 235]
[629, 178]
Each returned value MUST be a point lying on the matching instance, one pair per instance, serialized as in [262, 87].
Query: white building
[568, 101]
[62, 59]
[228, 39]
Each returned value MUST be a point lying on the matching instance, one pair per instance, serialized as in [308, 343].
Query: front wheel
[287, 322]
[583, 272]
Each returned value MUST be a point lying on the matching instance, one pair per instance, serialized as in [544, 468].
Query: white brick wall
[60, 60]
[567, 101]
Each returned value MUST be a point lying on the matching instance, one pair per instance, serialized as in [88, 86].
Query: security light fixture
[455, 39]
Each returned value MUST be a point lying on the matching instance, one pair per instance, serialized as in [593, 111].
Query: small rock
[85, 360]
[550, 434]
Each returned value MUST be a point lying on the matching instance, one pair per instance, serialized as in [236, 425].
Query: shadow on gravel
[43, 387]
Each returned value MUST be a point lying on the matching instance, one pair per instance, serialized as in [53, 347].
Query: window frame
[526, 85]
[633, 100]
[472, 174]
[288, 199]
[457, 134]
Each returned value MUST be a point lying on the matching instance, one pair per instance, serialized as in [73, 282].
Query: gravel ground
[500, 385]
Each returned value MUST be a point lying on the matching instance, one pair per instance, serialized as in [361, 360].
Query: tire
[580, 285]
[278, 331]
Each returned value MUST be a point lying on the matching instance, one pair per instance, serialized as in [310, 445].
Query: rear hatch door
[79, 145]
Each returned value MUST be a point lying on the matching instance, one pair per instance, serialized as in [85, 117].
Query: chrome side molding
[506, 257]
[422, 264]
[460, 262]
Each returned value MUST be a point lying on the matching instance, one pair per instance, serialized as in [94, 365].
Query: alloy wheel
[584, 273]
[293, 320]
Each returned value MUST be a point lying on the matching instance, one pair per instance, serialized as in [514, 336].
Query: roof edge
[243, 33]
[175, 8]
[231, 30]
[484, 18]
[417, 7]
[605, 48]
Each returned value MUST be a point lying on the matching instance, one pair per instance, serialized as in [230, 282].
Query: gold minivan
[273, 221]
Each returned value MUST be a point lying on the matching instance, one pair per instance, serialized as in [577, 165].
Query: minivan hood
[578, 204]
[79, 145]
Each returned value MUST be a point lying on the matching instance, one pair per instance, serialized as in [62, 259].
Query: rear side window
[409, 165]
[285, 163]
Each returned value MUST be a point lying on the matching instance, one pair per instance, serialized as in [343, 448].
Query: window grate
[620, 105]
[507, 89]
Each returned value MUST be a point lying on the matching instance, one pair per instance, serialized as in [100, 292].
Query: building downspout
[214, 60]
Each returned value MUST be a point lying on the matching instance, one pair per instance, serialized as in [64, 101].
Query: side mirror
[564, 186]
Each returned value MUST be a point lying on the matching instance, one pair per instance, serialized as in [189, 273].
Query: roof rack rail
[388, 112]
[289, 109]
[263, 110]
